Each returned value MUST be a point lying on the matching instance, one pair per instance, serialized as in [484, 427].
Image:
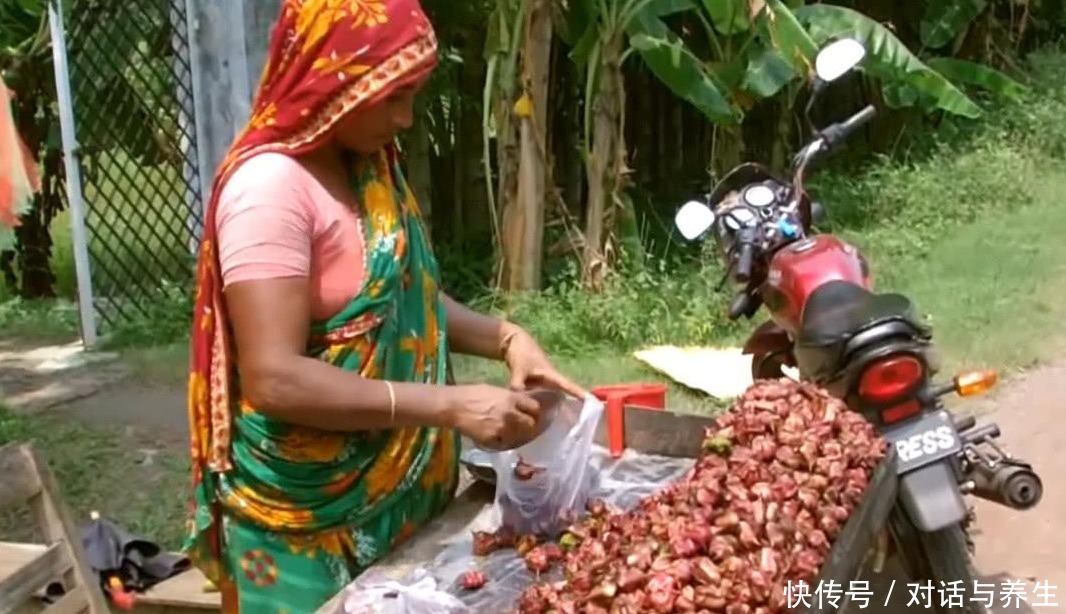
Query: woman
[322, 434]
[19, 180]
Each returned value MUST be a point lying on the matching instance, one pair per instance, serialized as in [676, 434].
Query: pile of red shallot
[761, 508]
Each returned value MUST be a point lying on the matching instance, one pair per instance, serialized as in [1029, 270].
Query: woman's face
[368, 130]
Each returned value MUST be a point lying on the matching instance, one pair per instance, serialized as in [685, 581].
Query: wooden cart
[660, 433]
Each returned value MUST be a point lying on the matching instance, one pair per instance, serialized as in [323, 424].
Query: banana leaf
[887, 58]
[944, 20]
[964, 72]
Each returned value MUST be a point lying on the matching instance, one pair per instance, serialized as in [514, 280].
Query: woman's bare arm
[270, 324]
[473, 333]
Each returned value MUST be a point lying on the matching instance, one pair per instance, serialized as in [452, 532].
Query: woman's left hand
[530, 367]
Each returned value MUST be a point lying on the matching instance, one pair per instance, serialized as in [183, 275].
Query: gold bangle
[505, 343]
[392, 403]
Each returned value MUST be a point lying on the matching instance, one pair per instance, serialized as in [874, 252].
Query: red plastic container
[616, 397]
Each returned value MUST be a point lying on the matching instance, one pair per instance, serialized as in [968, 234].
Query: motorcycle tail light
[890, 378]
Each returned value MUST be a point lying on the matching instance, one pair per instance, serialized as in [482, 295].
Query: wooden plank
[849, 551]
[660, 432]
[183, 590]
[170, 609]
[75, 601]
[14, 556]
[59, 526]
[33, 606]
[47, 566]
[182, 593]
[20, 482]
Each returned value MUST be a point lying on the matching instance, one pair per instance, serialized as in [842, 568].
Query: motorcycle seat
[839, 309]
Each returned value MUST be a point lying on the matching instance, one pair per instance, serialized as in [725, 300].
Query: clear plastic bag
[544, 503]
[419, 595]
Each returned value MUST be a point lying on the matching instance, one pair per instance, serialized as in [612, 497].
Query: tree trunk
[470, 214]
[728, 149]
[523, 217]
[7, 270]
[34, 247]
[606, 167]
[35, 243]
[507, 161]
[566, 136]
[419, 173]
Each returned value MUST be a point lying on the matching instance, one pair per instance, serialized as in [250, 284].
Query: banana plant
[944, 27]
[754, 49]
[603, 35]
[907, 79]
[746, 50]
[502, 48]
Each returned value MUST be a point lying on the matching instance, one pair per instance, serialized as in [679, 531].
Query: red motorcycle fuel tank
[799, 269]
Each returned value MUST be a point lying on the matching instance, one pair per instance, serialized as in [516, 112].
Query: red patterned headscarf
[327, 58]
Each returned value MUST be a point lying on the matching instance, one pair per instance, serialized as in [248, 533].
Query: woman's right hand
[494, 418]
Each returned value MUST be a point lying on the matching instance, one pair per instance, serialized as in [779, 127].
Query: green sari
[301, 511]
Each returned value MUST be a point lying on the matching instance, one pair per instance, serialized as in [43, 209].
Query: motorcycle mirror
[830, 64]
[693, 219]
[837, 58]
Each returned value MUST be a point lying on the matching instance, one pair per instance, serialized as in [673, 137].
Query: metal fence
[133, 178]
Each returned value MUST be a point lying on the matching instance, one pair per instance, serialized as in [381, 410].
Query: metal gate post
[86, 304]
[192, 171]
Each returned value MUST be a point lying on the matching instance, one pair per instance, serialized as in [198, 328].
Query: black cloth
[140, 564]
[112, 551]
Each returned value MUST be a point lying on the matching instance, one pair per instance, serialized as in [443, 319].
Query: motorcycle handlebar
[840, 131]
[745, 260]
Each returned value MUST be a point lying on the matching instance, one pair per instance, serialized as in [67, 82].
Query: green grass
[45, 320]
[102, 470]
[996, 289]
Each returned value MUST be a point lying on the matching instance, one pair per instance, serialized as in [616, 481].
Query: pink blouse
[275, 219]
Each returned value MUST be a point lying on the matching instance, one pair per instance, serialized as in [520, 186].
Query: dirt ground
[1011, 546]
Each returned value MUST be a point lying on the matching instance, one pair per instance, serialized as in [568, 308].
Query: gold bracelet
[392, 403]
[505, 343]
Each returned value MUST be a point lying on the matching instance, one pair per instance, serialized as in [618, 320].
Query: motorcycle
[870, 349]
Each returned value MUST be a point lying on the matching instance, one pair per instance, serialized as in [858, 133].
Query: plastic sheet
[620, 482]
[418, 595]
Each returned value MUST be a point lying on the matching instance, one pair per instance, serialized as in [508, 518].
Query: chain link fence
[131, 86]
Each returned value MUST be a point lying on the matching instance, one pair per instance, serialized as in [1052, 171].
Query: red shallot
[781, 472]
[472, 580]
[524, 471]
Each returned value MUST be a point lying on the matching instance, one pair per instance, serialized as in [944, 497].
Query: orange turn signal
[975, 382]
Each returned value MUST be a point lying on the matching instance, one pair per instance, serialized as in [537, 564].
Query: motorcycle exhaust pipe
[1010, 484]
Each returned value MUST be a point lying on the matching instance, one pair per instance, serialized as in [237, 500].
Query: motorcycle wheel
[767, 366]
[940, 558]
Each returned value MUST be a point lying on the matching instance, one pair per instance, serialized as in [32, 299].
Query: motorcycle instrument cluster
[759, 196]
[739, 217]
